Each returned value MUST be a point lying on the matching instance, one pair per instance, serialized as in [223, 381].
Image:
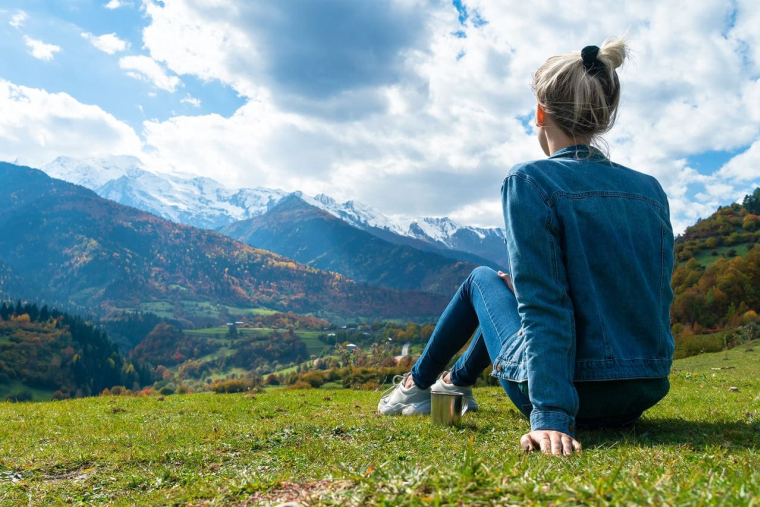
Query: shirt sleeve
[546, 312]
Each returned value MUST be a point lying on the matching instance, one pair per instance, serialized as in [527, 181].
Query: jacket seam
[621, 359]
[602, 193]
[662, 278]
[532, 183]
[550, 200]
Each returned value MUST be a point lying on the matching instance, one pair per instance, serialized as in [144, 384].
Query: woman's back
[614, 238]
[580, 324]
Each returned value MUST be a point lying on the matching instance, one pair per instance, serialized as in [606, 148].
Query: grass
[238, 372]
[190, 308]
[314, 346]
[223, 331]
[705, 257]
[15, 387]
[699, 446]
[236, 310]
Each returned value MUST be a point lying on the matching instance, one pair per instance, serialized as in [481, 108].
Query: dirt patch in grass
[306, 493]
[78, 475]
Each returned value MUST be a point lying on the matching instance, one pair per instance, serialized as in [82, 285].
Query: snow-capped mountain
[205, 203]
[200, 202]
[442, 232]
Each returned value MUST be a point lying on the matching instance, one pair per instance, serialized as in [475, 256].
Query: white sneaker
[441, 386]
[402, 400]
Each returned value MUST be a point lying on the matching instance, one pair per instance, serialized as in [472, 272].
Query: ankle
[409, 382]
[447, 378]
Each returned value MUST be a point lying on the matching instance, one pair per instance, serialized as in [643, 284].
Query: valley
[199, 310]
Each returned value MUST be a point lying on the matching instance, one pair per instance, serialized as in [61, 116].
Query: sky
[417, 107]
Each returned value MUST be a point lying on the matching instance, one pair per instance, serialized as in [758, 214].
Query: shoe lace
[397, 380]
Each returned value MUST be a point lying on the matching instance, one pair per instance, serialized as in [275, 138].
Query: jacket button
[498, 367]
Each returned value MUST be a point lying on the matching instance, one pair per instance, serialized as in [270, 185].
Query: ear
[540, 116]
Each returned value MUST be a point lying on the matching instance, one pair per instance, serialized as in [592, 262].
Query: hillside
[730, 231]
[208, 204]
[717, 279]
[328, 447]
[309, 235]
[107, 256]
[45, 352]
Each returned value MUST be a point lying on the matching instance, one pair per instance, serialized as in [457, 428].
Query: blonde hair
[582, 103]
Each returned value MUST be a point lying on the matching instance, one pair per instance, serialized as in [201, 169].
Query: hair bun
[580, 90]
[613, 53]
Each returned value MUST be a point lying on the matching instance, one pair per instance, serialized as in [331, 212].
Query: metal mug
[447, 409]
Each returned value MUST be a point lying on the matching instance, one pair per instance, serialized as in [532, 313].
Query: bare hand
[550, 442]
[505, 276]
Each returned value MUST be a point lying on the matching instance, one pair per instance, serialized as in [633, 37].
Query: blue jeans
[485, 306]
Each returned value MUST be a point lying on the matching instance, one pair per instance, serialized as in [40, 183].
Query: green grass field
[16, 387]
[705, 257]
[236, 310]
[314, 345]
[198, 309]
[699, 446]
[215, 331]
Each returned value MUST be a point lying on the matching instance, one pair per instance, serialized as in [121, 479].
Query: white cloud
[115, 4]
[210, 46]
[192, 101]
[413, 112]
[146, 68]
[37, 126]
[744, 167]
[18, 19]
[445, 127]
[108, 43]
[40, 50]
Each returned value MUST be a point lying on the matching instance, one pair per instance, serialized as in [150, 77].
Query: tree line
[51, 350]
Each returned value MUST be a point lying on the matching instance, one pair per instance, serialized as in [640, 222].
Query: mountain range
[310, 235]
[95, 252]
[208, 204]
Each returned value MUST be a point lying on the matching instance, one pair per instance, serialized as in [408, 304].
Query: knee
[483, 273]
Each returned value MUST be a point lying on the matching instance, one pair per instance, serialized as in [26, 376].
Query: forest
[716, 284]
[55, 351]
[717, 279]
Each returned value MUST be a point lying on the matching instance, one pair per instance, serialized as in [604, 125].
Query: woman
[578, 328]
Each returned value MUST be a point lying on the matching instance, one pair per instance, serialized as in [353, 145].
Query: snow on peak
[204, 202]
[94, 172]
[438, 229]
[325, 199]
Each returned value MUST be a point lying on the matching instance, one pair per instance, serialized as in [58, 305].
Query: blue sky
[416, 107]
[93, 76]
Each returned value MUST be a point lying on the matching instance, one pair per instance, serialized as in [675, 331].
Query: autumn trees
[51, 350]
[724, 291]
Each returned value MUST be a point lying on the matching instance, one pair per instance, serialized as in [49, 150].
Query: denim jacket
[590, 248]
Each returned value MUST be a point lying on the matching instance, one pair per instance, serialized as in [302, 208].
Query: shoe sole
[423, 408]
[405, 408]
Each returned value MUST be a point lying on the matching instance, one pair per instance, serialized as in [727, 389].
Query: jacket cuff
[552, 421]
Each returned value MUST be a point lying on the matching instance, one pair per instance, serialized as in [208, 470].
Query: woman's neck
[558, 140]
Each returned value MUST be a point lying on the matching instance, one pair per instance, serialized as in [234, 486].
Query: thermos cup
[447, 409]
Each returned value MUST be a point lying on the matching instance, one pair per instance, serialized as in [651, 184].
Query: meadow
[699, 446]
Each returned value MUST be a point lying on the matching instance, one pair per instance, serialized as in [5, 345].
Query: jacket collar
[580, 152]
